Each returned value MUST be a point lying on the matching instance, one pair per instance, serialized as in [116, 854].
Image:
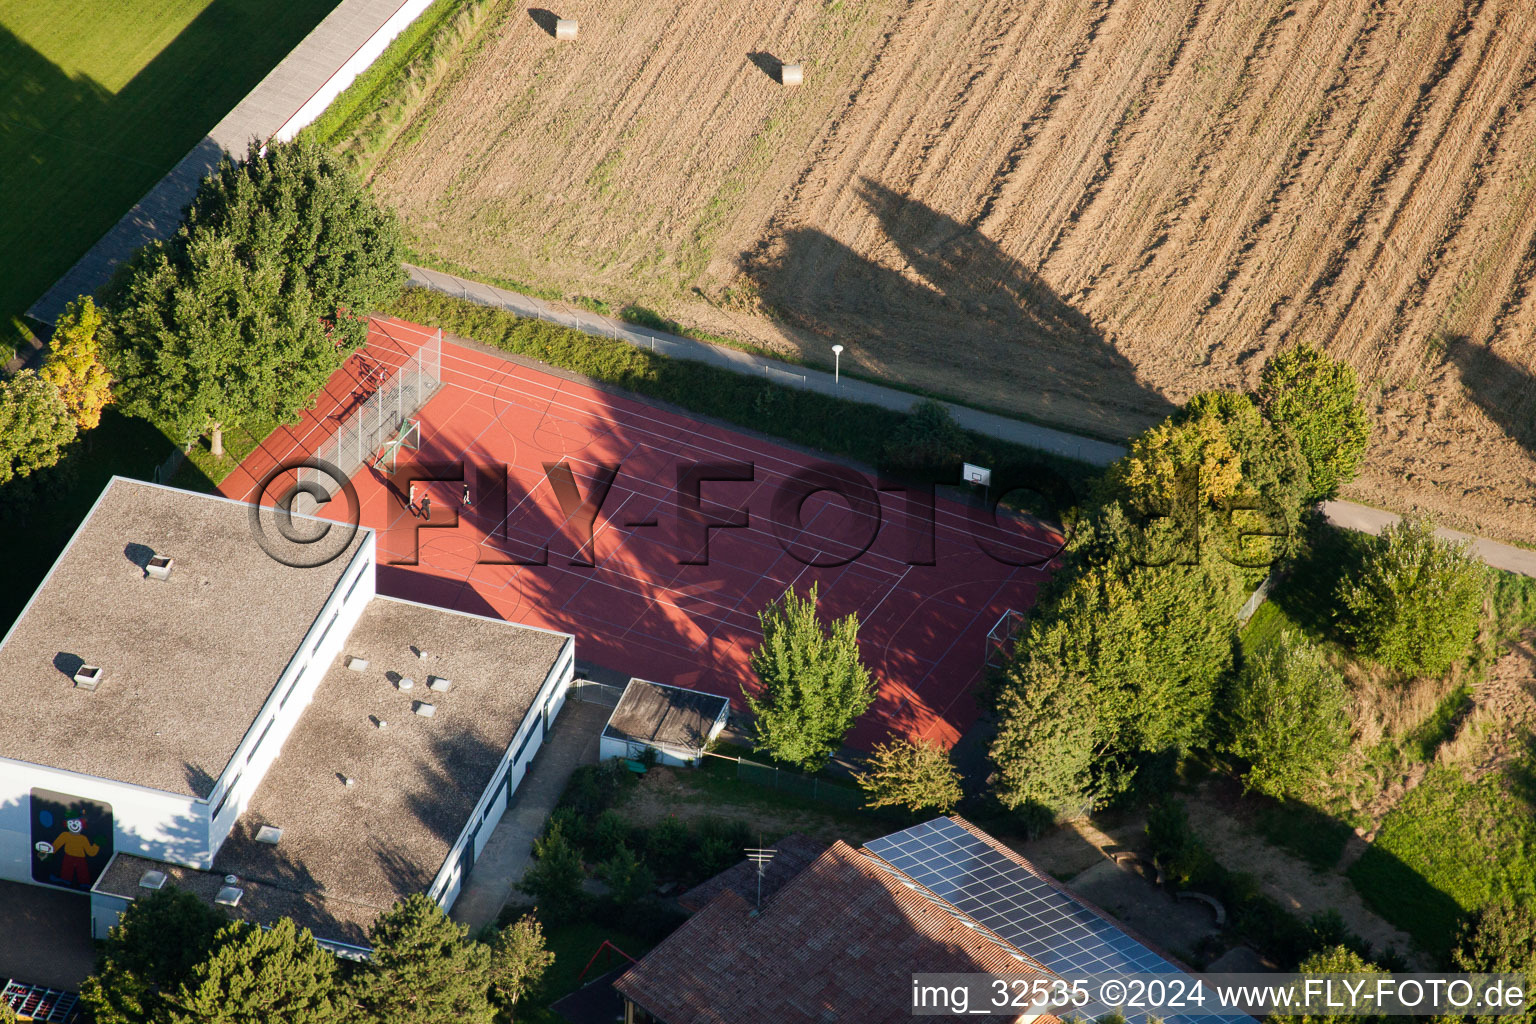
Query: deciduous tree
[74, 363]
[519, 959]
[258, 297]
[1415, 601]
[814, 684]
[917, 776]
[35, 425]
[157, 945]
[555, 876]
[1318, 399]
[1288, 716]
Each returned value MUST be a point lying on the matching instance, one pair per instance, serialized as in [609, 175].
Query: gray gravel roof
[415, 781]
[188, 661]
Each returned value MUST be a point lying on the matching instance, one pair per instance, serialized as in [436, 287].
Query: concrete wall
[514, 765]
[294, 691]
[353, 66]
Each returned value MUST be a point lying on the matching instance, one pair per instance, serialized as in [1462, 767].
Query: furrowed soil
[1080, 213]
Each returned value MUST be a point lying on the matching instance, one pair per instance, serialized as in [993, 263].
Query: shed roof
[665, 715]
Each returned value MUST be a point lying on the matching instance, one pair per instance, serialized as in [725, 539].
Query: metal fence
[379, 417]
[595, 693]
[800, 785]
[1255, 599]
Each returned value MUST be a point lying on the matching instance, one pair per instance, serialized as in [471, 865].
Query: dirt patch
[679, 793]
[1078, 212]
[1297, 886]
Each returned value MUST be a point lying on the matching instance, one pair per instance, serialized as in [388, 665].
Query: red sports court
[656, 592]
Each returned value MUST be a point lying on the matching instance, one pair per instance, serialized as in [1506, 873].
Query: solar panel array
[1019, 906]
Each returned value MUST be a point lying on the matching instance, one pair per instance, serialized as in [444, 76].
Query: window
[225, 798]
[327, 630]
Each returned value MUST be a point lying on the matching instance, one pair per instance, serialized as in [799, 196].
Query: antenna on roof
[760, 856]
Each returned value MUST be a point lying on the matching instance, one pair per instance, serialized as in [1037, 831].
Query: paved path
[1057, 442]
[263, 111]
[1370, 520]
[508, 852]
[1346, 514]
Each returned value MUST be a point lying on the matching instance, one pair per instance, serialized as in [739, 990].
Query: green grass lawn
[98, 101]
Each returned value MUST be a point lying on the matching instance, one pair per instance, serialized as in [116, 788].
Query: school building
[184, 708]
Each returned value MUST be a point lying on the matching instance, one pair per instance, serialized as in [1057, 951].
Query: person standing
[426, 507]
[411, 502]
[466, 501]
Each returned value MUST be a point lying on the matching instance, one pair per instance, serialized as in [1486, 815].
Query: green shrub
[1288, 717]
[916, 776]
[928, 442]
[1174, 844]
[667, 848]
[1415, 602]
[609, 834]
[554, 878]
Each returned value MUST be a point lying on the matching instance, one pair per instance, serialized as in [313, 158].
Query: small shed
[675, 722]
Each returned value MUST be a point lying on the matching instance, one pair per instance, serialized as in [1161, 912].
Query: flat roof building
[333, 749]
[675, 722]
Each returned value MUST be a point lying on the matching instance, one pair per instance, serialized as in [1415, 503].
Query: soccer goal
[1000, 638]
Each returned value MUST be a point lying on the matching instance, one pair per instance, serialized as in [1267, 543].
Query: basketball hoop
[976, 476]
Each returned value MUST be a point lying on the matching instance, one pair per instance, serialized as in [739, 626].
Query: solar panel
[1020, 907]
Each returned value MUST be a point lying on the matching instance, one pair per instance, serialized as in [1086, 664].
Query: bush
[928, 442]
[554, 878]
[1288, 717]
[1174, 844]
[1334, 960]
[1415, 602]
[916, 776]
[667, 848]
[609, 834]
[628, 879]
[1318, 399]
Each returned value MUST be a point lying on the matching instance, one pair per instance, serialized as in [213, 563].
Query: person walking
[466, 501]
[426, 507]
[411, 503]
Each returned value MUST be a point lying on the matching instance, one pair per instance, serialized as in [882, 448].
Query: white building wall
[493, 802]
[295, 690]
[146, 822]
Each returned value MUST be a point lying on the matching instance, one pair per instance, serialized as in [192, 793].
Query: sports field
[663, 597]
[1079, 211]
[99, 100]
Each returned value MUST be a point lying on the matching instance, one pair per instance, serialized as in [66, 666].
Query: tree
[1415, 601]
[1288, 717]
[74, 363]
[423, 969]
[916, 776]
[1119, 661]
[1500, 938]
[1318, 398]
[519, 959]
[1217, 483]
[255, 975]
[1334, 960]
[555, 876]
[813, 683]
[628, 880]
[160, 940]
[257, 298]
[35, 425]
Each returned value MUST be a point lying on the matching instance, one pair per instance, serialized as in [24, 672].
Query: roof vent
[438, 683]
[357, 664]
[269, 834]
[152, 880]
[159, 567]
[424, 709]
[229, 896]
[406, 682]
[231, 879]
[87, 677]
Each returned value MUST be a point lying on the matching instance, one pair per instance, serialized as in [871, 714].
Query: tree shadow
[1504, 390]
[943, 292]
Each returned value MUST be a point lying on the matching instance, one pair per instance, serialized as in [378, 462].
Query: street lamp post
[837, 365]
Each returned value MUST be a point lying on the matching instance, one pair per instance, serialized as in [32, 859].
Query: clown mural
[71, 839]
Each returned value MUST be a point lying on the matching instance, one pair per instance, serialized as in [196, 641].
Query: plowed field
[1079, 212]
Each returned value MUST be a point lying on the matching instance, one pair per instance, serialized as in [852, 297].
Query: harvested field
[1077, 212]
